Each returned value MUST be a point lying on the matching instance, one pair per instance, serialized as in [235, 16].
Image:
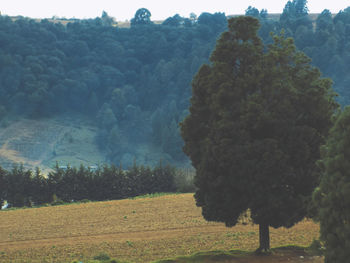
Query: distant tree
[19, 186]
[106, 117]
[324, 21]
[267, 26]
[256, 123]
[164, 176]
[158, 120]
[115, 143]
[301, 7]
[175, 20]
[295, 13]
[55, 184]
[333, 194]
[193, 18]
[252, 11]
[118, 102]
[171, 139]
[216, 21]
[142, 17]
[39, 190]
[343, 16]
[263, 13]
[107, 20]
[3, 186]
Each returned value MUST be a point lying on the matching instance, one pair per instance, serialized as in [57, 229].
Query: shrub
[102, 256]
[184, 180]
[58, 202]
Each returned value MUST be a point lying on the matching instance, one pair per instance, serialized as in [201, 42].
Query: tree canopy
[257, 120]
[23, 187]
[118, 77]
[333, 195]
[75, 67]
[142, 17]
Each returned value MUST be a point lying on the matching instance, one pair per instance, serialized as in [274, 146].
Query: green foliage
[102, 257]
[21, 187]
[118, 77]
[107, 20]
[257, 120]
[3, 186]
[316, 248]
[333, 194]
[48, 68]
[184, 180]
[142, 17]
[154, 195]
[18, 184]
[91, 62]
[58, 202]
[177, 21]
[295, 14]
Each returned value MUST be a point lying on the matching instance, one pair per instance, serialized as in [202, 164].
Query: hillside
[66, 140]
[128, 87]
[136, 230]
[43, 142]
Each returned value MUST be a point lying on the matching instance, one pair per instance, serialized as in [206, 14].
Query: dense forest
[135, 83]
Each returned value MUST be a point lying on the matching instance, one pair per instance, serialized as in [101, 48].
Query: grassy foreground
[134, 230]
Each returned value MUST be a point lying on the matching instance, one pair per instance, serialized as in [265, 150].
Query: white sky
[160, 9]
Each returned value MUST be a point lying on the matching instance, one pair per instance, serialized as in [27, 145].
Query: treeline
[136, 82]
[21, 187]
[325, 40]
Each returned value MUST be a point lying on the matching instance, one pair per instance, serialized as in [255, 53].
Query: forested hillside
[135, 83]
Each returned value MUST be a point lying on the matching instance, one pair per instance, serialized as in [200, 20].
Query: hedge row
[21, 187]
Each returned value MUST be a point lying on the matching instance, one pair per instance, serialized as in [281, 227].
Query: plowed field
[137, 230]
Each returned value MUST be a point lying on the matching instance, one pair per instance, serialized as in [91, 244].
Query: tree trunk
[264, 238]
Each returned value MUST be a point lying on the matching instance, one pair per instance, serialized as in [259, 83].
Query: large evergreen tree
[256, 122]
[333, 195]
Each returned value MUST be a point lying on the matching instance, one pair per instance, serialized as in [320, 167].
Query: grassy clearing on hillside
[40, 143]
[133, 230]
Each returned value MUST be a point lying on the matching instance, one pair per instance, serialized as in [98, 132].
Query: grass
[282, 254]
[153, 195]
[209, 256]
[154, 227]
[60, 202]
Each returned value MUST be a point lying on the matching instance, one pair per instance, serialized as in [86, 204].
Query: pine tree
[256, 122]
[333, 195]
[3, 186]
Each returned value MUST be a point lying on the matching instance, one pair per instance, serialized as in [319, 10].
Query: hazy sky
[160, 9]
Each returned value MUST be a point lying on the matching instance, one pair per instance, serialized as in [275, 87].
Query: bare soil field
[135, 230]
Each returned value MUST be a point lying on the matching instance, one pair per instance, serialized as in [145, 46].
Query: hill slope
[43, 142]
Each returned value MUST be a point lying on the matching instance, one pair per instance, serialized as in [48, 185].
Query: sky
[160, 9]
